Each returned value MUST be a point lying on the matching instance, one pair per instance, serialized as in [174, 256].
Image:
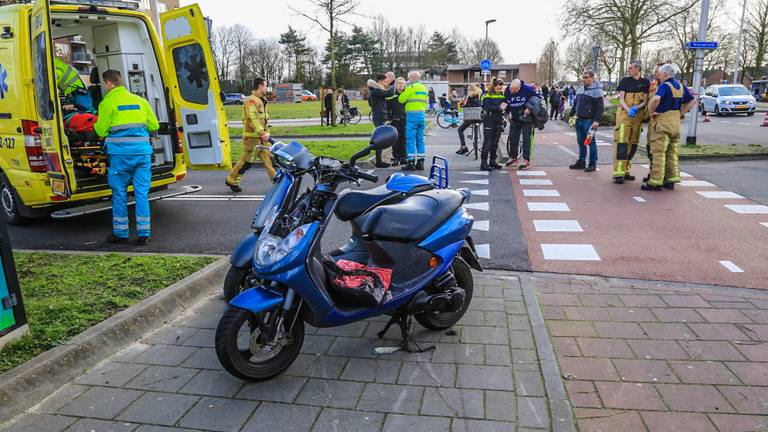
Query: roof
[461, 67]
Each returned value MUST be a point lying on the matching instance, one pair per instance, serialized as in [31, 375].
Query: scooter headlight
[271, 249]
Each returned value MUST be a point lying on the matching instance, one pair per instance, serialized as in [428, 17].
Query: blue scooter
[413, 225]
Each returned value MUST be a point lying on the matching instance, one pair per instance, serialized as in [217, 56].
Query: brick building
[460, 76]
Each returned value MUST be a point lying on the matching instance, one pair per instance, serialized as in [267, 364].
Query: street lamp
[485, 45]
[738, 45]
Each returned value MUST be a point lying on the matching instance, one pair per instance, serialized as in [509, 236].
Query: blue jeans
[415, 123]
[124, 170]
[582, 130]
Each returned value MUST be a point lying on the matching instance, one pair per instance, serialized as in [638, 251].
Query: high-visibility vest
[67, 78]
[126, 120]
[414, 97]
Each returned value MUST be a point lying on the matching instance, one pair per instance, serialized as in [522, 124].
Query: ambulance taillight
[33, 145]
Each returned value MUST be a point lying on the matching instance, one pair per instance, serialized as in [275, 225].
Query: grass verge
[342, 149]
[282, 131]
[66, 294]
[293, 111]
[716, 150]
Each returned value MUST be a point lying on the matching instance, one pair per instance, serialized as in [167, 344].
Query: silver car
[728, 99]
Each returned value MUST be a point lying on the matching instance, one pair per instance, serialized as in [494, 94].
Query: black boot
[591, 168]
[629, 177]
[420, 165]
[646, 178]
[618, 180]
[409, 166]
[578, 165]
[647, 187]
[484, 166]
[670, 186]
[494, 165]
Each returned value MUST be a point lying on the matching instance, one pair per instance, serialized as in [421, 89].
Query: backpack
[354, 284]
[538, 112]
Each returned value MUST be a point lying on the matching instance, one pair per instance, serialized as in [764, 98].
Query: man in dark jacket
[378, 92]
[588, 111]
[545, 92]
[554, 103]
[432, 99]
[521, 98]
[328, 105]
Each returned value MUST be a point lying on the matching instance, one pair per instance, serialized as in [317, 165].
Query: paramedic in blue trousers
[126, 120]
[415, 98]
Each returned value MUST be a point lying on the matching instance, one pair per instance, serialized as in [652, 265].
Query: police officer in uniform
[126, 121]
[494, 104]
[633, 99]
[670, 104]
[396, 113]
[414, 97]
[255, 133]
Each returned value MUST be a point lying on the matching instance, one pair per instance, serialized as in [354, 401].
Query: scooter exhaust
[448, 301]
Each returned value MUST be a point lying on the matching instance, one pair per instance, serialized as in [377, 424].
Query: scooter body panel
[405, 183]
[244, 251]
[257, 299]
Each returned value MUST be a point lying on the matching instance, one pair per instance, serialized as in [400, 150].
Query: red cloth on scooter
[357, 281]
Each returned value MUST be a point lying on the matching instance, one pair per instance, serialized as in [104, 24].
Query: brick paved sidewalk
[484, 376]
[660, 357]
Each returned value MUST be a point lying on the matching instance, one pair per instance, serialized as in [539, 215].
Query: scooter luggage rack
[439, 174]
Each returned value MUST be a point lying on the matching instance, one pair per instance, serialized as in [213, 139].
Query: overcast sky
[520, 30]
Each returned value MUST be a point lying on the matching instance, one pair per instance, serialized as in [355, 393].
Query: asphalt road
[747, 178]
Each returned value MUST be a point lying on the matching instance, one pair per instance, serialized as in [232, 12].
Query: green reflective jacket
[414, 97]
[67, 78]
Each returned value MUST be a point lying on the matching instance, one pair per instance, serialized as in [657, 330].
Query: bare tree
[242, 40]
[549, 63]
[475, 52]
[578, 56]
[328, 15]
[756, 34]
[267, 60]
[223, 51]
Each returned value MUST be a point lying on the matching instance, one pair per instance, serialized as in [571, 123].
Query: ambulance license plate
[59, 187]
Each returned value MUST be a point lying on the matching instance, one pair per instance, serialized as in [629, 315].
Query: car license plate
[742, 106]
[59, 187]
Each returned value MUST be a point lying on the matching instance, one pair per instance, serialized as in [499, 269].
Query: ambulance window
[191, 73]
[42, 82]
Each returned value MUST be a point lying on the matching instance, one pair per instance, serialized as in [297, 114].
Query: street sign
[485, 65]
[702, 45]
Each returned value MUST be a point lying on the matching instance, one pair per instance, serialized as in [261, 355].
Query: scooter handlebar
[369, 177]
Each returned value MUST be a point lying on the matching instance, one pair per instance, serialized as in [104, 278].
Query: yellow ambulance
[47, 168]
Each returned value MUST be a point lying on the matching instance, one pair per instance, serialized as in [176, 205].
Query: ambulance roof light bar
[117, 4]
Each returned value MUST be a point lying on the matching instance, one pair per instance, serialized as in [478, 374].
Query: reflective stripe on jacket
[126, 121]
[67, 78]
[414, 97]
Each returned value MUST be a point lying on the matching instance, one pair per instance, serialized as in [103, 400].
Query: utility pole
[738, 45]
[485, 44]
[697, 72]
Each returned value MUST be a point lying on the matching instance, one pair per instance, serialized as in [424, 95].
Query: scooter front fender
[243, 253]
[257, 299]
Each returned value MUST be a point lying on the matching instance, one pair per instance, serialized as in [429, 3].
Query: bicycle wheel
[355, 118]
[442, 121]
[370, 116]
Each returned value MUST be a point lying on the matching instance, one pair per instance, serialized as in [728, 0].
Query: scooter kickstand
[391, 321]
[405, 326]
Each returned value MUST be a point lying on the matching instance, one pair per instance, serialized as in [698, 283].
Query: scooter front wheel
[244, 353]
[443, 320]
[236, 281]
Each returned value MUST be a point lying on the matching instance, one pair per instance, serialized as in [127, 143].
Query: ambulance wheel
[443, 320]
[11, 204]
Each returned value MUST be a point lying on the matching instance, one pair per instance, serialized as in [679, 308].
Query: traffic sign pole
[697, 72]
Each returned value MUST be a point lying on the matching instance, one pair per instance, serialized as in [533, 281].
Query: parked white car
[728, 99]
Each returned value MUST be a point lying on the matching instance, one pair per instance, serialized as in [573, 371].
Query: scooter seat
[414, 218]
[353, 203]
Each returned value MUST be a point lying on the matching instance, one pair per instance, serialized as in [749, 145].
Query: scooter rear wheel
[443, 320]
[236, 341]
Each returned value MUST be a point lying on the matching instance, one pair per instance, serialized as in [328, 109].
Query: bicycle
[510, 144]
[449, 118]
[350, 116]
[475, 116]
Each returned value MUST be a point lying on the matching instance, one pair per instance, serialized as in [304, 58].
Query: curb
[310, 137]
[756, 156]
[27, 384]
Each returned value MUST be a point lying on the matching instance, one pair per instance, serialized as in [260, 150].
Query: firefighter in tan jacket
[255, 136]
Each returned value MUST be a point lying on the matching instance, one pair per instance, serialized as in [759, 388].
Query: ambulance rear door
[46, 137]
[194, 88]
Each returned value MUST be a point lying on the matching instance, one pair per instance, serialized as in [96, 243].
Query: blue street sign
[702, 45]
[485, 65]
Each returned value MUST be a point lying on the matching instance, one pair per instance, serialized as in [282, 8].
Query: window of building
[502, 74]
[191, 73]
[162, 7]
[476, 74]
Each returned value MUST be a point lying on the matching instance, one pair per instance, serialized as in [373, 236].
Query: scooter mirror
[384, 136]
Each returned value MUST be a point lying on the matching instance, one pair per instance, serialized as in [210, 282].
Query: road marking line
[719, 195]
[530, 173]
[482, 225]
[557, 225]
[483, 173]
[696, 183]
[733, 268]
[481, 181]
[481, 192]
[765, 224]
[744, 124]
[211, 199]
[685, 174]
[748, 209]
[568, 151]
[483, 250]
[548, 206]
[726, 122]
[541, 193]
[225, 196]
[600, 144]
[639, 199]
[569, 252]
[477, 206]
[535, 182]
